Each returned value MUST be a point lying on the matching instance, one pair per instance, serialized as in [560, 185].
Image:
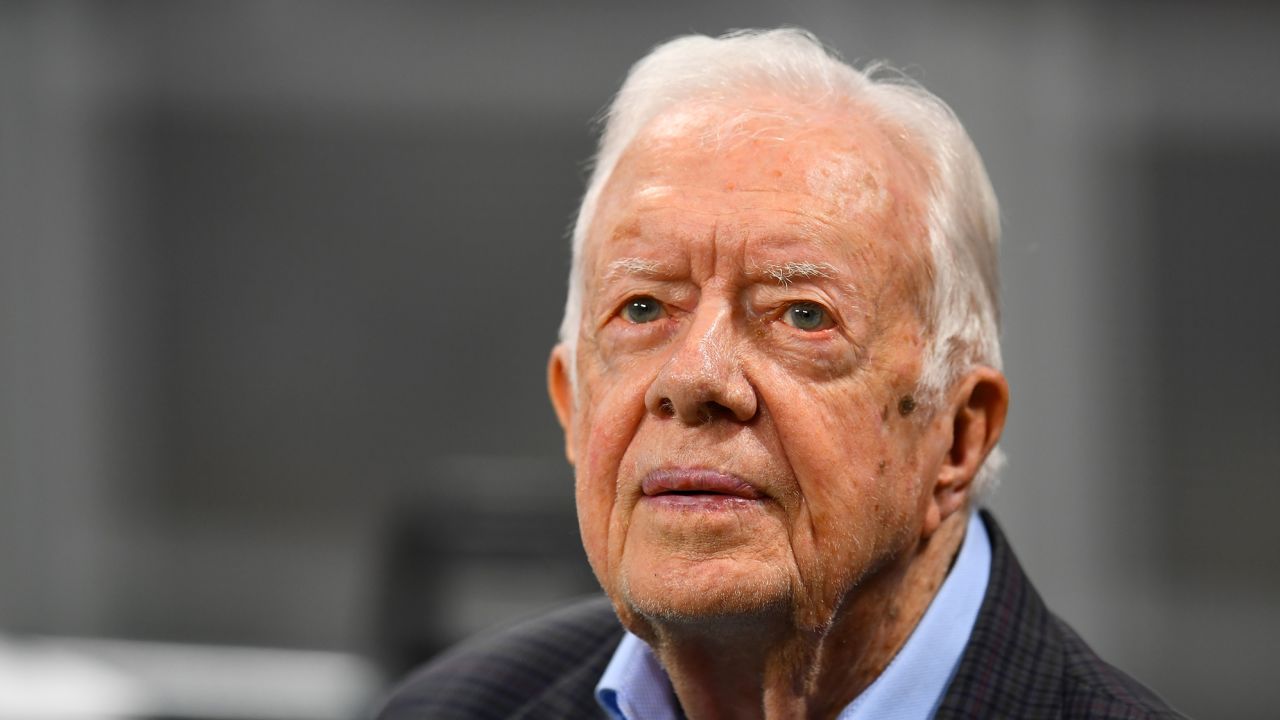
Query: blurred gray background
[278, 282]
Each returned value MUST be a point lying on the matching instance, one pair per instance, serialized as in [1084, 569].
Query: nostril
[709, 411]
[666, 407]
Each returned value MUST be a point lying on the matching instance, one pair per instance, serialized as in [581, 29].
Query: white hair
[961, 309]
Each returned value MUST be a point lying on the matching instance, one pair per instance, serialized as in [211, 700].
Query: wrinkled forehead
[839, 162]
[832, 141]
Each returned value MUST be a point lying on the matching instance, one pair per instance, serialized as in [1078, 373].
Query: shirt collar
[635, 687]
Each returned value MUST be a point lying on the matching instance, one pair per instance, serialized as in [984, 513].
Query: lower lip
[706, 502]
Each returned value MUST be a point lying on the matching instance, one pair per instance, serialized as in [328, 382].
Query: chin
[704, 591]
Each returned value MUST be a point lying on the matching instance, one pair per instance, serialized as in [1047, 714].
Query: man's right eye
[642, 309]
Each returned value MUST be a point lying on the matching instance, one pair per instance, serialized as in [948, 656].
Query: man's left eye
[807, 316]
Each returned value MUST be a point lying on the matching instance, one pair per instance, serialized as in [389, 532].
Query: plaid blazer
[1021, 662]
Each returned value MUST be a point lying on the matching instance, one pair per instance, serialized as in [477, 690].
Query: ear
[561, 390]
[975, 413]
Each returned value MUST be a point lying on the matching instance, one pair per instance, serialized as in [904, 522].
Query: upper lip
[697, 480]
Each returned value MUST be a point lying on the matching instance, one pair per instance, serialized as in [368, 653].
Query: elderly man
[779, 383]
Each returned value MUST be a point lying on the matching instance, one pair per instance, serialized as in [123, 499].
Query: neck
[767, 667]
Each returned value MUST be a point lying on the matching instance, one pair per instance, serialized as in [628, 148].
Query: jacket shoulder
[1023, 662]
[546, 667]
[1093, 688]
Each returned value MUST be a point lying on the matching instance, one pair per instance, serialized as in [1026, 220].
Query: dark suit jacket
[1021, 662]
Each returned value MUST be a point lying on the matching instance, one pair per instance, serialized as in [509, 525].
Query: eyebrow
[634, 266]
[784, 273]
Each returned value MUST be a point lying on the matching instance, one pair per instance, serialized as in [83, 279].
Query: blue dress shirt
[635, 687]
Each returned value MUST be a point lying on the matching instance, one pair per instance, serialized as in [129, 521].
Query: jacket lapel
[1013, 665]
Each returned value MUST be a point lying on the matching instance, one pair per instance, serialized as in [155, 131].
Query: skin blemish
[906, 405]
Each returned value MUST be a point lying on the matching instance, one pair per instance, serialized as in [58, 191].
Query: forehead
[834, 170]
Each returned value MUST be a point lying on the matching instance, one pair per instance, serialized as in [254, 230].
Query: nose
[703, 378]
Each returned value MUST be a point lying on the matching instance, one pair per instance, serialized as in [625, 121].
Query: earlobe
[977, 414]
[560, 388]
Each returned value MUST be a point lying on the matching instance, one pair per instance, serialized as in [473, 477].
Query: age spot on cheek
[906, 405]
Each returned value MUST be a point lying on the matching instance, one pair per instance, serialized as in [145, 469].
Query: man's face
[743, 434]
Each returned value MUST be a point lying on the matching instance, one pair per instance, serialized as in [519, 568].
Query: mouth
[695, 487]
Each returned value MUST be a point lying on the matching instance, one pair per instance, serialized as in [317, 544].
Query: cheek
[608, 424]
[854, 479]
[594, 503]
